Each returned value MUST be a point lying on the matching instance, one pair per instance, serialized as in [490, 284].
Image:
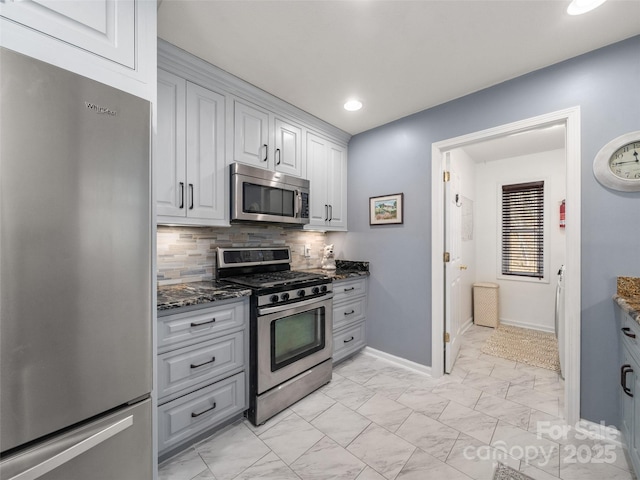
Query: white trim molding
[570, 118]
[418, 368]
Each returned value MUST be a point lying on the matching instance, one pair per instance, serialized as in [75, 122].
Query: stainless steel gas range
[290, 327]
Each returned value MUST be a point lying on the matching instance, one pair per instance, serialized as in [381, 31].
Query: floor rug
[503, 472]
[533, 347]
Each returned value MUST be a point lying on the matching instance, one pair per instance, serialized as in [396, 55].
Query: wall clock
[617, 164]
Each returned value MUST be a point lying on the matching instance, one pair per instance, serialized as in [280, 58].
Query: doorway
[570, 119]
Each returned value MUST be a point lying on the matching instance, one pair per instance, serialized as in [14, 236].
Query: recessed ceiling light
[353, 105]
[578, 7]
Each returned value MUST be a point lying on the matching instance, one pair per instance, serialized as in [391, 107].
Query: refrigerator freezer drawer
[185, 417]
[115, 447]
[200, 364]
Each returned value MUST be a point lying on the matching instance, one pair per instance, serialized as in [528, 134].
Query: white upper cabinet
[190, 165]
[288, 148]
[205, 154]
[327, 171]
[112, 41]
[251, 135]
[265, 140]
[170, 158]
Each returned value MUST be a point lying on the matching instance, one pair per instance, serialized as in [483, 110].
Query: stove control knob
[274, 298]
[315, 290]
[323, 288]
[284, 297]
[301, 293]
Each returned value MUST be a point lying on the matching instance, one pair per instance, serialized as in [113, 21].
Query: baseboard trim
[599, 431]
[530, 326]
[417, 367]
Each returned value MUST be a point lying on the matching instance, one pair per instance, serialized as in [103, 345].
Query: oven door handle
[304, 303]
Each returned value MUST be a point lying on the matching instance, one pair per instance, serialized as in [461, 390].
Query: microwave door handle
[298, 205]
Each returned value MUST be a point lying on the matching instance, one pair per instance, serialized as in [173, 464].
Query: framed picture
[386, 210]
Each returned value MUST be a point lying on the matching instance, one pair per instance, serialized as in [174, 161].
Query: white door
[317, 169]
[251, 136]
[170, 175]
[337, 187]
[288, 152]
[454, 267]
[205, 195]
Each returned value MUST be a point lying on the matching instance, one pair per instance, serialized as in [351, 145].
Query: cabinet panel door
[317, 173]
[205, 197]
[170, 160]
[288, 148]
[103, 27]
[251, 136]
[337, 186]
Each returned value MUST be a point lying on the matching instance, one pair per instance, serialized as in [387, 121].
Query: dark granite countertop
[193, 294]
[171, 297]
[628, 296]
[345, 269]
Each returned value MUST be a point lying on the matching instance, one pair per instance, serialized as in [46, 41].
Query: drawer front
[346, 289]
[183, 329]
[350, 312]
[205, 362]
[348, 341]
[201, 410]
[631, 335]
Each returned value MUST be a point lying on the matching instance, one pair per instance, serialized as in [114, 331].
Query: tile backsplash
[188, 254]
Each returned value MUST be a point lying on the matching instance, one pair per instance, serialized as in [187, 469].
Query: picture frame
[386, 209]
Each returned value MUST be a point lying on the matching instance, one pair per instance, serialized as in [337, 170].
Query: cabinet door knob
[193, 414]
[278, 156]
[181, 194]
[191, 190]
[266, 152]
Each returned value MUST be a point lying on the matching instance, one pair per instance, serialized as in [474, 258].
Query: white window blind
[523, 229]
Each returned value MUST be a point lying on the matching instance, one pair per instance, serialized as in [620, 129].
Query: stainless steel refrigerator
[75, 277]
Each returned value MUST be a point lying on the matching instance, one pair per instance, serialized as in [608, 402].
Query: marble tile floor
[377, 420]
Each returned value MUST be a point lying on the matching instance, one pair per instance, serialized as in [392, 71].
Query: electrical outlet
[307, 251]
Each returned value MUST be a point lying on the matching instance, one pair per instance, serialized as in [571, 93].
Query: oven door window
[266, 200]
[296, 336]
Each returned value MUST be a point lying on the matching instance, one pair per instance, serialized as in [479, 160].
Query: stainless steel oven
[291, 327]
[259, 195]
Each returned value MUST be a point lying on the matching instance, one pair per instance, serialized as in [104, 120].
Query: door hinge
[446, 177]
[447, 337]
[446, 257]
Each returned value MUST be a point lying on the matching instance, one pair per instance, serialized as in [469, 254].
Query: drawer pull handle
[623, 378]
[205, 322]
[350, 340]
[349, 289]
[349, 313]
[627, 332]
[193, 365]
[194, 414]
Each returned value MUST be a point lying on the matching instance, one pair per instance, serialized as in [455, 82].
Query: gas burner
[274, 279]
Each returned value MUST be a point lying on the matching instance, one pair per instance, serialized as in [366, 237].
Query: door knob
[462, 267]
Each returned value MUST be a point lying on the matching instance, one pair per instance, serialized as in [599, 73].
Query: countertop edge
[628, 307]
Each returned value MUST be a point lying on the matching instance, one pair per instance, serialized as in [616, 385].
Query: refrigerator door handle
[89, 440]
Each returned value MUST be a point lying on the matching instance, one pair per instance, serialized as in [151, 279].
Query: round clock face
[617, 164]
[625, 162]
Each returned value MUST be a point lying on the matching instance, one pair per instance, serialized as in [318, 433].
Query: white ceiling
[528, 142]
[399, 57]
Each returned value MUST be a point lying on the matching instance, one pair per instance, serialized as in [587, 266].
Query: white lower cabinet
[199, 411]
[630, 389]
[349, 313]
[202, 372]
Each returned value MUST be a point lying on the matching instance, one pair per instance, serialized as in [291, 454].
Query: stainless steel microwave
[259, 195]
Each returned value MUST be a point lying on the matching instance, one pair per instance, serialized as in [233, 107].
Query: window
[522, 229]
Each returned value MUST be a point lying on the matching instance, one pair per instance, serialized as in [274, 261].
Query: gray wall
[397, 158]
